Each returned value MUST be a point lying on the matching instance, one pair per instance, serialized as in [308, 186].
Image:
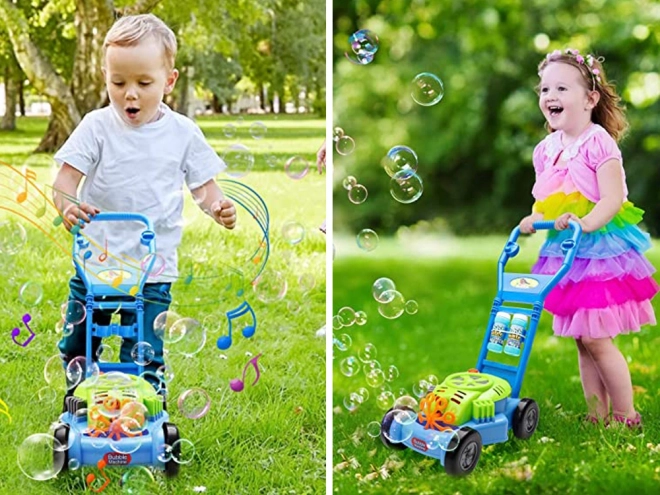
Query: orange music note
[23, 195]
[91, 477]
[104, 255]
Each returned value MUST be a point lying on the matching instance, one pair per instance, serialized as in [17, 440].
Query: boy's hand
[224, 213]
[75, 212]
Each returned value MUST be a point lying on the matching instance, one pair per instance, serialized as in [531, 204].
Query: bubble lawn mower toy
[476, 408]
[115, 417]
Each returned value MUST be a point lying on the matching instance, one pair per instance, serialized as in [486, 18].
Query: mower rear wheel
[171, 437]
[61, 457]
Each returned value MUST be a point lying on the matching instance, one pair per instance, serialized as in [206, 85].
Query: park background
[252, 72]
[475, 148]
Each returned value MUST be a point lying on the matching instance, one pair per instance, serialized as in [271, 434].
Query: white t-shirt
[139, 170]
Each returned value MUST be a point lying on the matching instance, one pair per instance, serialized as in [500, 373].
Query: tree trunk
[21, 94]
[60, 126]
[8, 122]
[263, 102]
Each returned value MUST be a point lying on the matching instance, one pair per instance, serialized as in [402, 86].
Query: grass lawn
[268, 439]
[455, 291]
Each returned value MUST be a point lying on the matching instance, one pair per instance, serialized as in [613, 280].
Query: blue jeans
[157, 299]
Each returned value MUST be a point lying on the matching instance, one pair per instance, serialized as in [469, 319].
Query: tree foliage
[475, 146]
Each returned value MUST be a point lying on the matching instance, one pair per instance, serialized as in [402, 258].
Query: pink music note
[237, 384]
[17, 331]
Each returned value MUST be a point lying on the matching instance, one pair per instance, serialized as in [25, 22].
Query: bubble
[361, 318]
[156, 381]
[364, 394]
[349, 366]
[358, 194]
[74, 464]
[54, 373]
[183, 451]
[270, 287]
[406, 186]
[164, 453]
[402, 391]
[73, 312]
[138, 480]
[372, 364]
[337, 133]
[158, 266]
[373, 429]
[194, 403]
[405, 416]
[194, 337]
[427, 89]
[349, 182]
[293, 307]
[392, 373]
[345, 145]
[75, 371]
[142, 353]
[404, 401]
[31, 293]
[47, 395]
[421, 388]
[367, 240]
[411, 307]
[368, 353]
[395, 305]
[343, 342]
[71, 439]
[229, 130]
[105, 353]
[12, 237]
[239, 160]
[35, 457]
[306, 283]
[380, 290]
[131, 428]
[337, 323]
[446, 440]
[364, 44]
[397, 432]
[293, 232]
[137, 412]
[346, 316]
[271, 160]
[384, 400]
[166, 373]
[165, 329]
[258, 130]
[432, 380]
[400, 158]
[352, 401]
[67, 329]
[296, 167]
[375, 378]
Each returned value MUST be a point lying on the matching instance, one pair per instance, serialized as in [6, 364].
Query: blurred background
[475, 145]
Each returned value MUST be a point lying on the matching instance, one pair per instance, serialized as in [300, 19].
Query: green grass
[455, 288]
[268, 439]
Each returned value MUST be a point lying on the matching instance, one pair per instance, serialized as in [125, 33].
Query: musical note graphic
[91, 477]
[237, 385]
[6, 409]
[189, 277]
[42, 210]
[17, 331]
[119, 278]
[224, 342]
[23, 195]
[104, 255]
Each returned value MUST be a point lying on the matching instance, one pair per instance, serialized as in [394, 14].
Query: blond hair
[608, 112]
[130, 30]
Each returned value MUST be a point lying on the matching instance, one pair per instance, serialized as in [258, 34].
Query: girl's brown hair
[608, 112]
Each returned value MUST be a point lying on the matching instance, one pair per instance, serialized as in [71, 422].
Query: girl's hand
[75, 212]
[224, 213]
[320, 158]
[561, 223]
[527, 223]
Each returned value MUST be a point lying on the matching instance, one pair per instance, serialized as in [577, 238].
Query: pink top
[583, 158]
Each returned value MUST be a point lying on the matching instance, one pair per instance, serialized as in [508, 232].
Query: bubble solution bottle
[519, 324]
[499, 331]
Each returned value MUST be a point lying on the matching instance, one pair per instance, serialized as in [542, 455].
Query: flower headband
[587, 61]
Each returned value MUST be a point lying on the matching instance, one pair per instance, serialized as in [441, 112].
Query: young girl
[580, 177]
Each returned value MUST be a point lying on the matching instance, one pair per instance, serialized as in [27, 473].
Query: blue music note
[225, 342]
[17, 331]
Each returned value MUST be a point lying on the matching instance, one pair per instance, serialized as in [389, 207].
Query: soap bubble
[165, 329]
[352, 401]
[404, 416]
[358, 194]
[47, 395]
[74, 312]
[368, 353]
[74, 464]
[375, 378]
[367, 240]
[31, 293]
[336, 322]
[392, 373]
[166, 373]
[395, 305]
[402, 434]
[346, 316]
[337, 133]
[54, 373]
[142, 353]
[194, 337]
[427, 89]
[12, 237]
[421, 388]
[183, 451]
[384, 400]
[349, 366]
[36, 459]
[75, 371]
[345, 145]
[404, 401]
[105, 353]
[293, 232]
[406, 186]
[349, 182]
[380, 290]
[373, 429]
[194, 403]
[360, 318]
[239, 160]
[138, 480]
[271, 286]
[258, 130]
[229, 130]
[446, 440]
[364, 44]
[306, 282]
[363, 393]
[343, 342]
[296, 167]
[400, 158]
[411, 307]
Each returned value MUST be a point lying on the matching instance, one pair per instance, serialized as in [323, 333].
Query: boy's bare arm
[65, 192]
[210, 199]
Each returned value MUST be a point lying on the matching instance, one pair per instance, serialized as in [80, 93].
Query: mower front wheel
[463, 458]
[385, 425]
[171, 437]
